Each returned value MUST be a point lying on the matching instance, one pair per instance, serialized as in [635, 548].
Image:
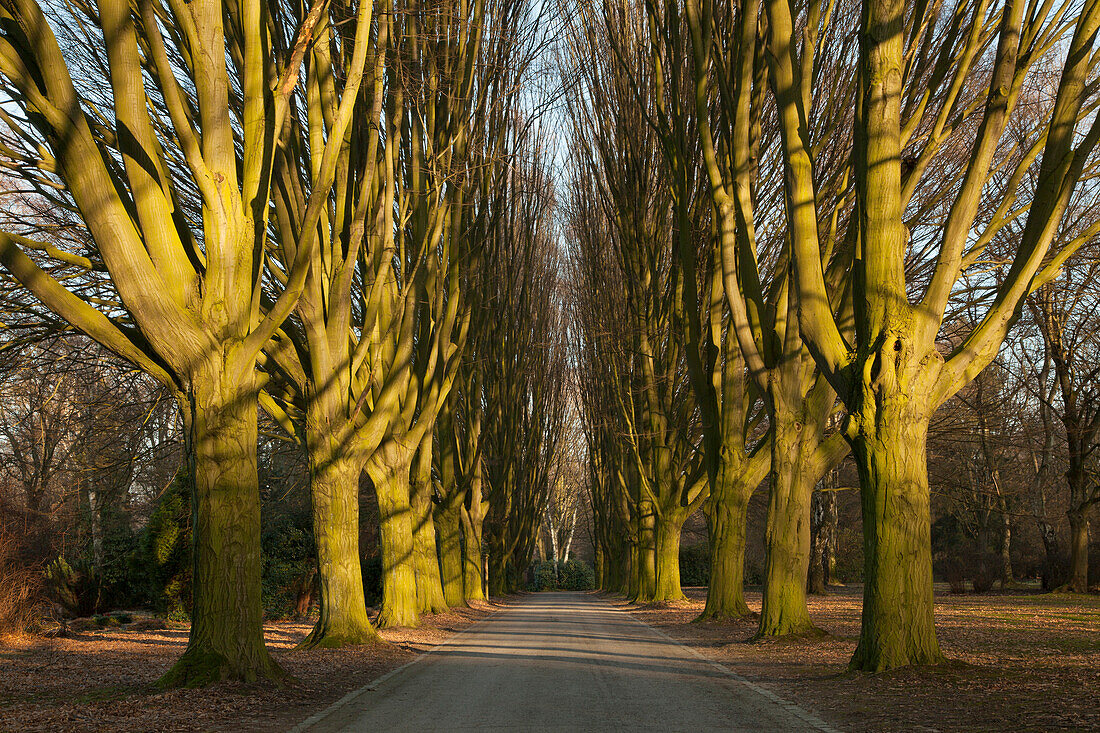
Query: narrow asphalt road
[568, 662]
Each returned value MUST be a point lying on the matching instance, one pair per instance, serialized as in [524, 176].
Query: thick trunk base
[897, 628]
[667, 560]
[334, 485]
[784, 610]
[727, 510]
[389, 470]
[226, 640]
[448, 524]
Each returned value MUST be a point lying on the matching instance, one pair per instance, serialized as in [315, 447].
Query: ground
[102, 680]
[1018, 662]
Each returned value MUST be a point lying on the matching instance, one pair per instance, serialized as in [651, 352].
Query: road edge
[371, 686]
[801, 713]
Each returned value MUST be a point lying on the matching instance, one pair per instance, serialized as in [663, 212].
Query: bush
[695, 565]
[71, 589]
[576, 575]
[543, 577]
[22, 603]
[570, 575]
[160, 566]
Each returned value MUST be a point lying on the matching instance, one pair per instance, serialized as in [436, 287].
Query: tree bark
[226, 640]
[429, 583]
[727, 511]
[448, 524]
[389, 470]
[897, 627]
[784, 610]
[473, 580]
[667, 558]
[334, 469]
[645, 567]
[1078, 579]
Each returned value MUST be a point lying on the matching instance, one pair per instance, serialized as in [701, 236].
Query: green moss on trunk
[1078, 581]
[448, 527]
[645, 567]
[667, 558]
[389, 470]
[787, 539]
[473, 579]
[334, 484]
[429, 583]
[897, 626]
[226, 640]
[727, 510]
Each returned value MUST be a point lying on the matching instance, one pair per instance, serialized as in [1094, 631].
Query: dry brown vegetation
[1017, 662]
[103, 680]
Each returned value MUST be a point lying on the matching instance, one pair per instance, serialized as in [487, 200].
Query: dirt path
[567, 661]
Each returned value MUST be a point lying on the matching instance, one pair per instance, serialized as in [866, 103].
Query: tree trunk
[226, 640]
[448, 525]
[823, 520]
[389, 470]
[429, 584]
[727, 510]
[667, 558]
[897, 625]
[473, 581]
[1007, 578]
[787, 540]
[1078, 579]
[646, 566]
[334, 469]
[334, 484]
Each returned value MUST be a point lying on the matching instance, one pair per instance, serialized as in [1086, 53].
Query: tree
[174, 194]
[928, 112]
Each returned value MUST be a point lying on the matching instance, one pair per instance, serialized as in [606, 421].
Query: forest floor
[103, 679]
[1017, 661]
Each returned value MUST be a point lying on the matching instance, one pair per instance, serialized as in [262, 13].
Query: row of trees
[335, 211]
[799, 229]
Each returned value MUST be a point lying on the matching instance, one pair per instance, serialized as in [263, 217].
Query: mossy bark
[667, 558]
[226, 639]
[727, 513]
[334, 468]
[448, 525]
[473, 578]
[645, 565]
[897, 626]
[787, 538]
[389, 470]
[429, 582]
[1078, 579]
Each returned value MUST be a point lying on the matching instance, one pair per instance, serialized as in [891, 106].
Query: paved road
[568, 662]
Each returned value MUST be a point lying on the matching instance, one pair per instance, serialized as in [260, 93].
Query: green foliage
[695, 565]
[287, 553]
[570, 575]
[160, 567]
[72, 589]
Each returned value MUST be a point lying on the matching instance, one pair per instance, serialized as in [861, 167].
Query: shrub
[73, 589]
[22, 603]
[695, 564]
[570, 575]
[160, 566]
[543, 577]
[576, 575]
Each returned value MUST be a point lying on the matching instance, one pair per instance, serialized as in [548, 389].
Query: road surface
[565, 662]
